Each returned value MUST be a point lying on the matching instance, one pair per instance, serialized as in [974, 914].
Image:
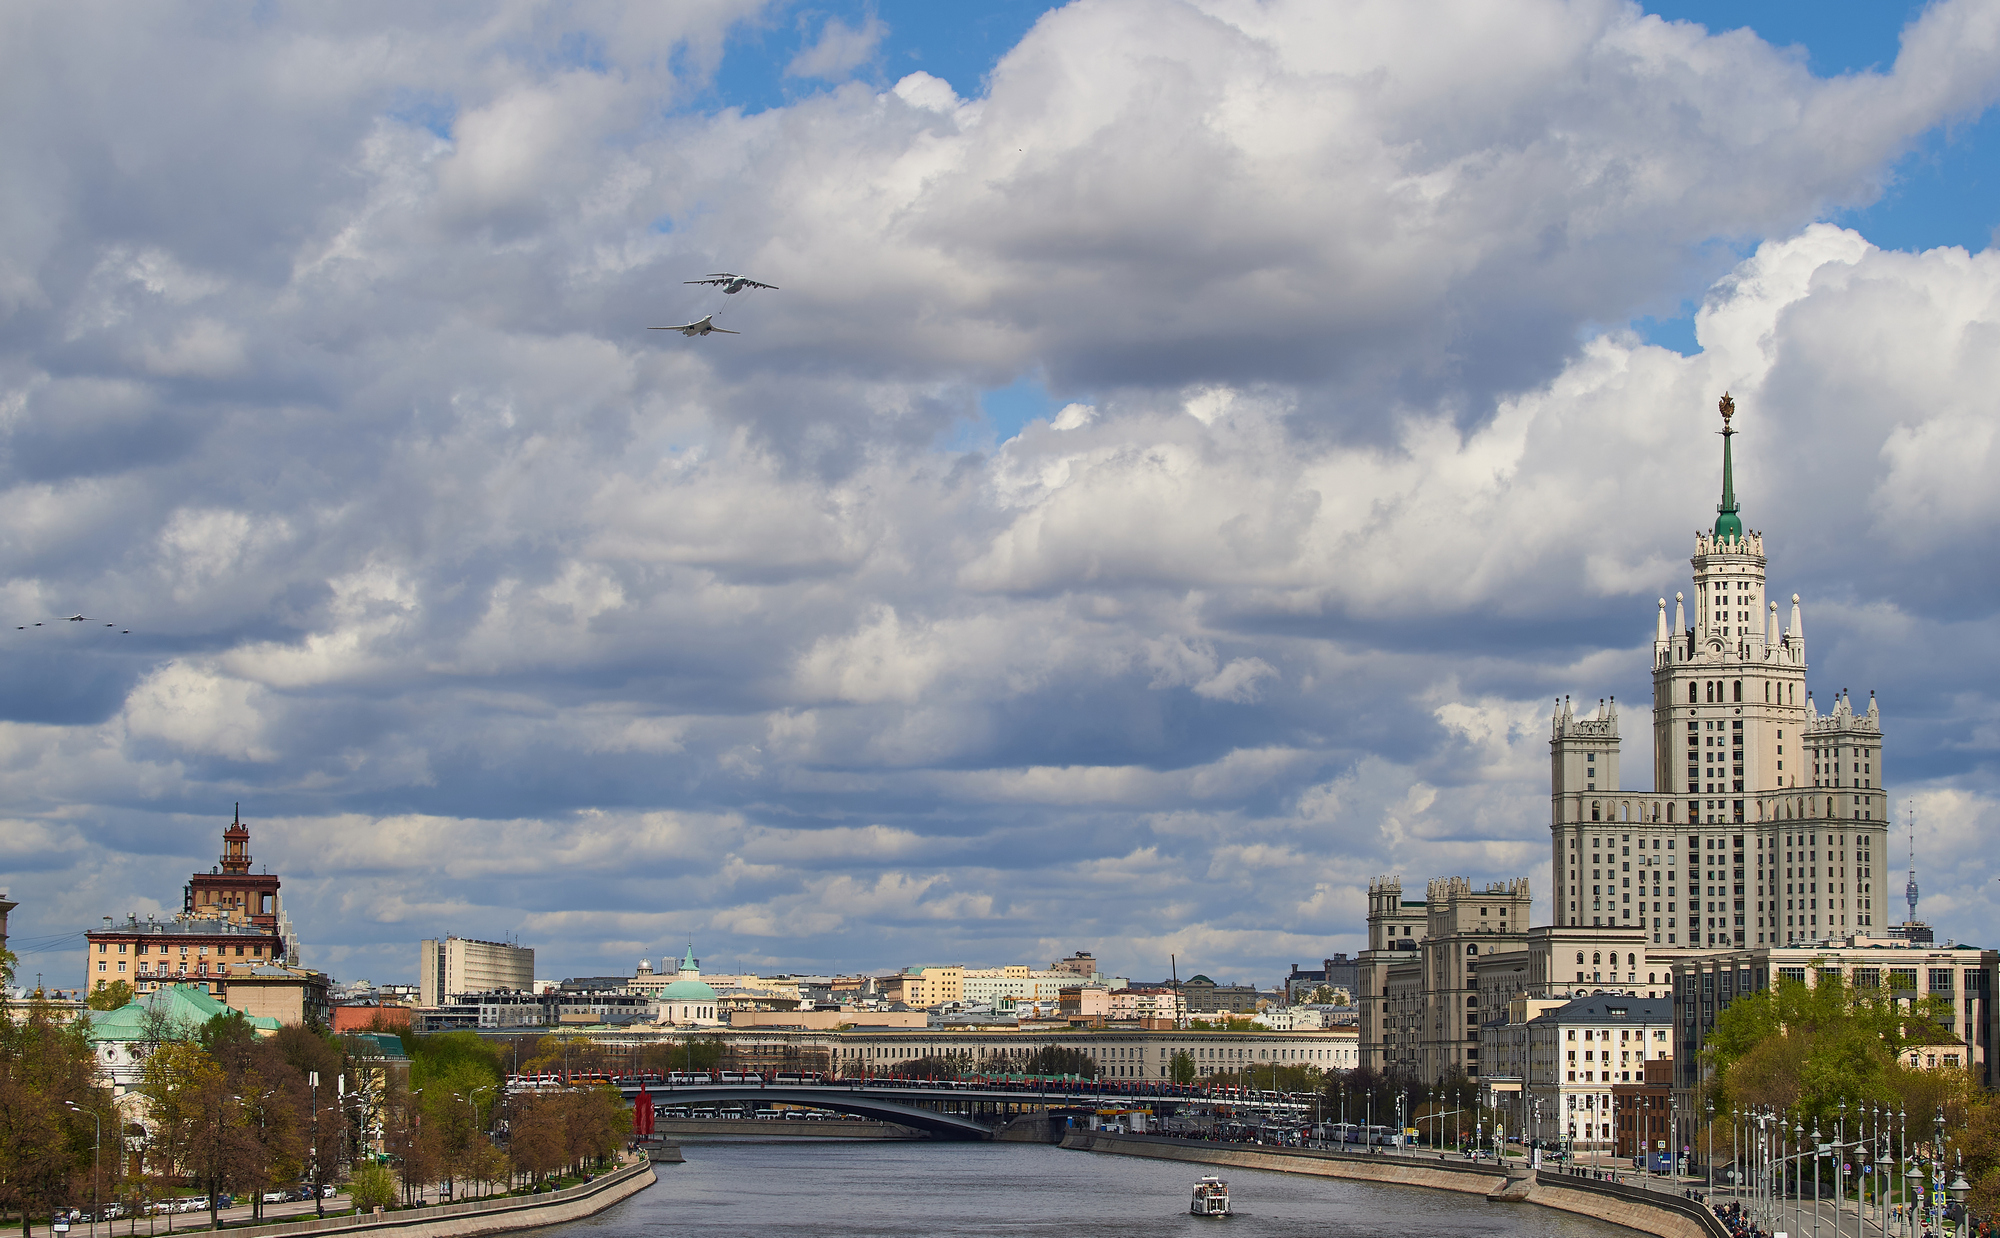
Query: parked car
[276, 1197]
[328, 1192]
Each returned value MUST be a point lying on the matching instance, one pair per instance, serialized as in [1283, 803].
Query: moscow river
[802, 1188]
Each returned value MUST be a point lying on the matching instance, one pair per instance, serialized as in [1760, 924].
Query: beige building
[451, 966]
[1766, 827]
[291, 995]
[925, 987]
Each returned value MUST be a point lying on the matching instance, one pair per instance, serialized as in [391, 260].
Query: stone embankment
[1649, 1212]
[473, 1217]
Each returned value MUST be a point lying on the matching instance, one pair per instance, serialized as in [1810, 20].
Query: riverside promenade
[473, 1217]
[1648, 1212]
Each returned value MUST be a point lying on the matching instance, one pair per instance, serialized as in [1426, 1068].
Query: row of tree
[1816, 1052]
[224, 1111]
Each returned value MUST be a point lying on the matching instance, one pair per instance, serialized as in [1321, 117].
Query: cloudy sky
[1194, 443]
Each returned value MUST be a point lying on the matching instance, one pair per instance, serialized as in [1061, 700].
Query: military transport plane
[700, 326]
[730, 283]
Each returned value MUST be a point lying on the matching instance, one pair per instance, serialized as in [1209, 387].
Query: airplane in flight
[69, 619]
[700, 326]
[729, 282]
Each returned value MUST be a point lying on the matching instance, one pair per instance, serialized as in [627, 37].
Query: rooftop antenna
[1910, 890]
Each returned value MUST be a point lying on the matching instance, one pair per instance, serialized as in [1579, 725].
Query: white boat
[1211, 1198]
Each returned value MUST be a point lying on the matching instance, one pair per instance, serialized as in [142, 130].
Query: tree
[932, 1068]
[535, 1142]
[46, 1065]
[174, 1079]
[1057, 1060]
[1813, 1047]
[372, 1186]
[1180, 1068]
[110, 997]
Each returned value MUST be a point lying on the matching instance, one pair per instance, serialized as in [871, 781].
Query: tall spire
[1728, 525]
[1910, 890]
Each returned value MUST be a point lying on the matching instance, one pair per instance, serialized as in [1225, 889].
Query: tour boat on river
[1211, 1198]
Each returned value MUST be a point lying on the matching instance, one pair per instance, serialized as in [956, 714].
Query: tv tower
[1910, 890]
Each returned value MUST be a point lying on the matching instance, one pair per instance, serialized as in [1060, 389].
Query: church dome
[687, 991]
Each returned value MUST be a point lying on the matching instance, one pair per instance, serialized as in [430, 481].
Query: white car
[275, 1197]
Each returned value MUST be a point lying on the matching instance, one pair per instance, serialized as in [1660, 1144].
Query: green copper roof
[187, 1005]
[1728, 525]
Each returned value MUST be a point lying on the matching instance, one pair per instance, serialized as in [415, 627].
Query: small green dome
[687, 991]
[1728, 527]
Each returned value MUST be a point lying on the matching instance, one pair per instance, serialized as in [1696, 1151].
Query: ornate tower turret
[236, 846]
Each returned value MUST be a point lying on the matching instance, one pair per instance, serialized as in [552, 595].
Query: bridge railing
[981, 1086]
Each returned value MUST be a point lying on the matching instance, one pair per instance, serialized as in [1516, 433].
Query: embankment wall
[1648, 1212]
[472, 1217]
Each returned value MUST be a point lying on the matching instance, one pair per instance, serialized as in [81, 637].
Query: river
[811, 1189]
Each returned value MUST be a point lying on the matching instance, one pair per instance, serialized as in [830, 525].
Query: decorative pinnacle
[1728, 525]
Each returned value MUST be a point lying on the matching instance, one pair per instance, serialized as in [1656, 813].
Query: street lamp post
[1839, 1166]
[1709, 1110]
[96, 1146]
[319, 1205]
[1937, 1173]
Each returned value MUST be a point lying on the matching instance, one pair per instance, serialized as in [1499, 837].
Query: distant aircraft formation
[22, 627]
[731, 284]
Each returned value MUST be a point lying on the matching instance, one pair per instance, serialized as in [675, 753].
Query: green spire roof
[1728, 525]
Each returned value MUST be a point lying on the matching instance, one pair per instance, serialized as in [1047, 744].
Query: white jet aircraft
[700, 326]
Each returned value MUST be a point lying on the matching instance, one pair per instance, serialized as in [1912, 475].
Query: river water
[821, 1189]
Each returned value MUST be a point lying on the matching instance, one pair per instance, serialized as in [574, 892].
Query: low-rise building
[291, 995]
[1085, 1001]
[1963, 978]
[1567, 1057]
[153, 954]
[1145, 1001]
[1338, 974]
[1645, 1111]
[513, 1008]
[369, 1016]
[123, 1038]
[922, 988]
[1205, 996]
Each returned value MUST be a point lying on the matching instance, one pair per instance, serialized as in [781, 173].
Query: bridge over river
[944, 1109]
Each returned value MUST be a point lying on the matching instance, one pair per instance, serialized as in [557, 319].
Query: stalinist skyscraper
[1767, 821]
[1764, 829]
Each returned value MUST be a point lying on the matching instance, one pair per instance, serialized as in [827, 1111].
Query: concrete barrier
[472, 1217]
[1654, 1212]
[1648, 1212]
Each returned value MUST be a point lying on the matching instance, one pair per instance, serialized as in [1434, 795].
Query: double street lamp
[96, 1148]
